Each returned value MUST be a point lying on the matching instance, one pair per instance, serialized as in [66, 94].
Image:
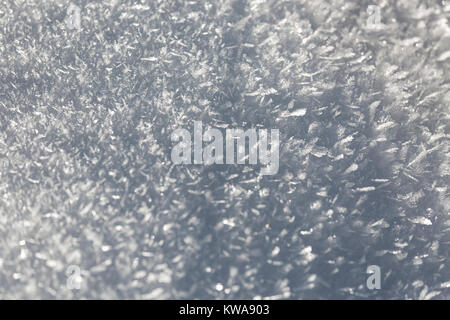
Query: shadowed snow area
[86, 178]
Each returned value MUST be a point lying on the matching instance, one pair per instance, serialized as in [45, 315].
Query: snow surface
[86, 178]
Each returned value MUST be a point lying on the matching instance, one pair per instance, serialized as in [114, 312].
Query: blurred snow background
[86, 178]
